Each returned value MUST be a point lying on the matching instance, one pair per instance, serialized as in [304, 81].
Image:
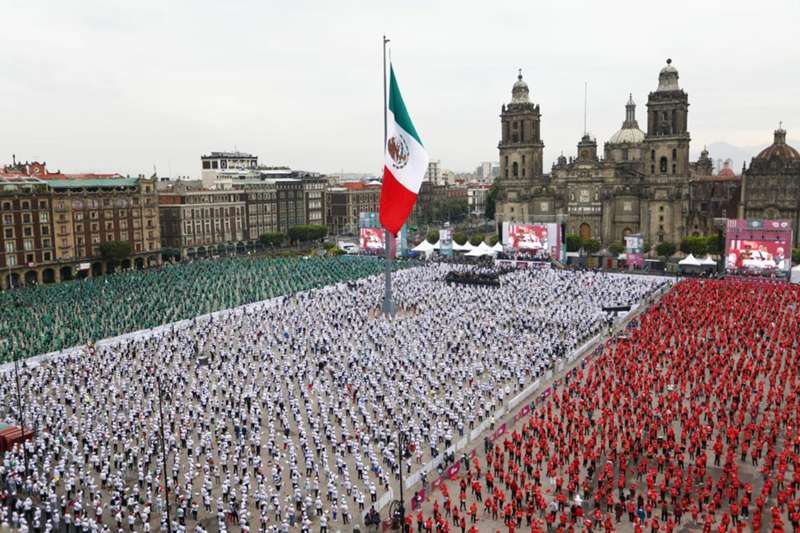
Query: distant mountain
[737, 154]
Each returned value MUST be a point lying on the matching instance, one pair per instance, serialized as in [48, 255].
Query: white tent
[497, 247]
[477, 252]
[469, 246]
[708, 261]
[796, 274]
[436, 245]
[424, 246]
[461, 247]
[690, 260]
[485, 247]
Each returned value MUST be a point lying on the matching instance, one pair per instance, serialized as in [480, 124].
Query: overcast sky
[111, 85]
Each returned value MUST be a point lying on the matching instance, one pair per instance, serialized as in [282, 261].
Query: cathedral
[644, 181]
[771, 186]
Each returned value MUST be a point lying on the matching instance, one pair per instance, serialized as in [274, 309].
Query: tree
[716, 244]
[494, 239]
[432, 236]
[591, 246]
[796, 256]
[476, 238]
[573, 242]
[307, 232]
[616, 248]
[666, 249]
[272, 239]
[116, 251]
[460, 237]
[694, 245]
[491, 201]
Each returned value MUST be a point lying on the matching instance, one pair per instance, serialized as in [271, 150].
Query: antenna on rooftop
[585, 107]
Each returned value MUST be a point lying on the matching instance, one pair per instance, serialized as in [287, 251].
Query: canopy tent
[477, 252]
[485, 247]
[497, 247]
[436, 245]
[461, 247]
[468, 246]
[424, 246]
[708, 261]
[690, 260]
[796, 274]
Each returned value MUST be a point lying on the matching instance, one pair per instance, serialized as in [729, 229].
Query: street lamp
[19, 305]
[402, 442]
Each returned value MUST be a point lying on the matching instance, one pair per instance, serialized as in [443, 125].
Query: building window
[652, 169]
[6, 206]
[9, 247]
[674, 167]
[45, 230]
[43, 218]
[47, 257]
[42, 204]
[28, 244]
[27, 231]
[30, 258]
[663, 165]
[674, 154]
[515, 169]
[11, 260]
[26, 218]
[652, 155]
[206, 165]
[9, 233]
[45, 243]
[26, 204]
[661, 208]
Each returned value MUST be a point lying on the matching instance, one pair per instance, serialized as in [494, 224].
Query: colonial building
[641, 185]
[53, 224]
[202, 222]
[771, 186]
[345, 203]
[712, 197]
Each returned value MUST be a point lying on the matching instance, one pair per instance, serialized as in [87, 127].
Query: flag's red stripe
[396, 202]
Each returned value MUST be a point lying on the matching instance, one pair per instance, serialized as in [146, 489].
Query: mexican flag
[405, 162]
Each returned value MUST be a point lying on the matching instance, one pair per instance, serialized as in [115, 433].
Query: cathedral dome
[779, 149]
[668, 78]
[630, 132]
[627, 136]
[520, 92]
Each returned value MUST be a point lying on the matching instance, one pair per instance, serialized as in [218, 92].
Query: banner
[446, 242]
[758, 247]
[372, 239]
[533, 239]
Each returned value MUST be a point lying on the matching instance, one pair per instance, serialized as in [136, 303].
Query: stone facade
[52, 224]
[771, 186]
[641, 185]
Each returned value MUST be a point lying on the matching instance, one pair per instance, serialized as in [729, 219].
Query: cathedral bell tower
[666, 160]
[520, 144]
[667, 139]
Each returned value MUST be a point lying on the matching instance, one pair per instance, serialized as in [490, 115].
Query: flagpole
[388, 301]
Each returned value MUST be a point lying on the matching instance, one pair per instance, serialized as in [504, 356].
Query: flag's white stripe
[412, 174]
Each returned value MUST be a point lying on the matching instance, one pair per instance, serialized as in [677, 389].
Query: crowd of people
[691, 420]
[53, 317]
[283, 416]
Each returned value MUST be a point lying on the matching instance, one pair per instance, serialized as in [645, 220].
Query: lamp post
[402, 441]
[20, 412]
[163, 451]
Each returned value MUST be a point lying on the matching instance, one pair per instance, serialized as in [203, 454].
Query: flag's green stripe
[398, 107]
